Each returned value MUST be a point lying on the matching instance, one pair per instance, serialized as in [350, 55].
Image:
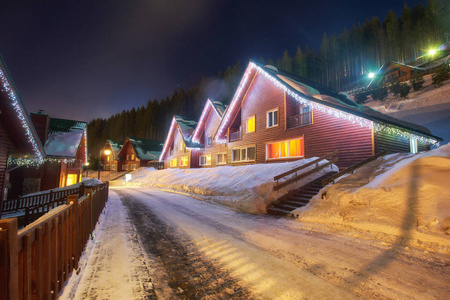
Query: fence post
[75, 230]
[9, 272]
[81, 190]
[91, 200]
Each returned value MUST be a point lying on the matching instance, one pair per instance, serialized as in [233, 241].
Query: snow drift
[396, 194]
[247, 188]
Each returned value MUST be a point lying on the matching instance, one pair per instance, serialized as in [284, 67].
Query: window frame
[113, 167]
[182, 159]
[267, 118]
[254, 125]
[224, 158]
[289, 149]
[205, 157]
[209, 141]
[310, 112]
[413, 146]
[125, 167]
[173, 162]
[241, 151]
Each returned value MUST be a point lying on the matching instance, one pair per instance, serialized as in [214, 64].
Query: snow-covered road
[201, 249]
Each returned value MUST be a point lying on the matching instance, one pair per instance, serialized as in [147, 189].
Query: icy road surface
[198, 250]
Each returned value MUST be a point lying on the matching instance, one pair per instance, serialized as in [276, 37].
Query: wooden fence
[36, 261]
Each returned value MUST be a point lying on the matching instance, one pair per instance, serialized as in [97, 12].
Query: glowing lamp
[432, 52]
[371, 75]
[107, 152]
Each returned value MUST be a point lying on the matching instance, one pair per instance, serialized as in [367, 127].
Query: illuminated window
[182, 146]
[132, 156]
[205, 160]
[134, 166]
[114, 167]
[184, 161]
[173, 162]
[272, 118]
[107, 167]
[107, 158]
[124, 167]
[251, 124]
[243, 154]
[221, 158]
[413, 145]
[292, 148]
[72, 179]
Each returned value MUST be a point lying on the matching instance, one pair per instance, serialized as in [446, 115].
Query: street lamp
[106, 152]
[371, 75]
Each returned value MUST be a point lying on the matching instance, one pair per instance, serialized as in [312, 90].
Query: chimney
[41, 122]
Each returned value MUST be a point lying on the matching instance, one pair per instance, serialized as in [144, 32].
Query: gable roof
[64, 138]
[323, 99]
[116, 146]
[218, 107]
[186, 128]
[16, 119]
[144, 149]
[383, 69]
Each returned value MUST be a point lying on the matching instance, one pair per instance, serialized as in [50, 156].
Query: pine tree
[286, 62]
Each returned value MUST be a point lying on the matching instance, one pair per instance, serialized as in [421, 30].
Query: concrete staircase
[297, 198]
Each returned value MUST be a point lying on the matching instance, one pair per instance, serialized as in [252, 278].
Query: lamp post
[106, 152]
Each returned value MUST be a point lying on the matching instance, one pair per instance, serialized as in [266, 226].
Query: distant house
[19, 141]
[213, 153]
[393, 71]
[137, 152]
[110, 158]
[275, 117]
[65, 147]
[179, 150]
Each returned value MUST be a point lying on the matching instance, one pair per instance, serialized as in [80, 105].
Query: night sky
[87, 59]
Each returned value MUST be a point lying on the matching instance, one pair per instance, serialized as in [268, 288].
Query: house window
[72, 179]
[108, 158]
[134, 166]
[272, 118]
[124, 167]
[182, 146]
[221, 158]
[128, 157]
[113, 167]
[251, 124]
[284, 149]
[205, 160]
[243, 154]
[173, 162]
[208, 141]
[132, 156]
[413, 145]
[184, 161]
[305, 115]
[107, 167]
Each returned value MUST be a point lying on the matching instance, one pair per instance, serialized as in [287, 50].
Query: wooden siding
[326, 134]
[175, 145]
[128, 151]
[6, 147]
[395, 143]
[113, 161]
[211, 124]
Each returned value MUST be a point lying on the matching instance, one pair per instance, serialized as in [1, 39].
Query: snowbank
[397, 194]
[247, 188]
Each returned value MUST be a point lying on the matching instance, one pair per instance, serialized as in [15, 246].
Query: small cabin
[109, 156]
[392, 72]
[138, 152]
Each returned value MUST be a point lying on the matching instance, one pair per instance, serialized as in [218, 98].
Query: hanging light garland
[166, 144]
[6, 86]
[379, 127]
[34, 162]
[209, 104]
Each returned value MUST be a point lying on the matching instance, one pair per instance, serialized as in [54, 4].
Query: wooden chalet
[392, 72]
[19, 142]
[275, 117]
[179, 150]
[137, 152]
[109, 156]
[65, 147]
[212, 153]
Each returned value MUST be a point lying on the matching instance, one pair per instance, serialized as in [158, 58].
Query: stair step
[277, 211]
[285, 206]
[296, 202]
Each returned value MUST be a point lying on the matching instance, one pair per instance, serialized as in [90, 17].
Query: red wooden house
[213, 153]
[179, 150]
[19, 142]
[109, 156]
[137, 152]
[276, 117]
[392, 72]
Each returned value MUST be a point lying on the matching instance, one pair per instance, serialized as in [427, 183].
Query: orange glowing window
[273, 150]
[71, 179]
[184, 161]
[251, 124]
[291, 148]
[284, 149]
[296, 147]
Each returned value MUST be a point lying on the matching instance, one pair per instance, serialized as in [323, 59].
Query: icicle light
[404, 133]
[209, 105]
[166, 144]
[6, 86]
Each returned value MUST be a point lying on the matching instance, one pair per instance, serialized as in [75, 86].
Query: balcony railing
[299, 120]
[235, 136]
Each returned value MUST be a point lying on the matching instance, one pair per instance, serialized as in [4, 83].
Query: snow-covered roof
[116, 146]
[186, 128]
[64, 137]
[321, 97]
[218, 107]
[145, 149]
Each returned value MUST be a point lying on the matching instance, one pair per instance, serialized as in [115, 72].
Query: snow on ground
[247, 188]
[85, 181]
[113, 264]
[405, 195]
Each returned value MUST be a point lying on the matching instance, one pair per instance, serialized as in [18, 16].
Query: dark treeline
[340, 62]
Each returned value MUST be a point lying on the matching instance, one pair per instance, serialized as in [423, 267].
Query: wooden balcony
[299, 120]
[235, 136]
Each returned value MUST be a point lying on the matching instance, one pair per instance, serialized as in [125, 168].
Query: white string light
[209, 105]
[404, 133]
[166, 143]
[20, 114]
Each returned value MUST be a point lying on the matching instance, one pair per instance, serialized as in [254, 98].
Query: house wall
[192, 155]
[395, 143]
[326, 134]
[211, 124]
[104, 160]
[127, 153]
[6, 147]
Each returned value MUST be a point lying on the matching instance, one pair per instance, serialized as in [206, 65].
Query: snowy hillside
[405, 195]
[246, 188]
[429, 107]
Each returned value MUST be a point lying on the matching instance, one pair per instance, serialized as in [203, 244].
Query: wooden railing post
[75, 234]
[9, 273]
